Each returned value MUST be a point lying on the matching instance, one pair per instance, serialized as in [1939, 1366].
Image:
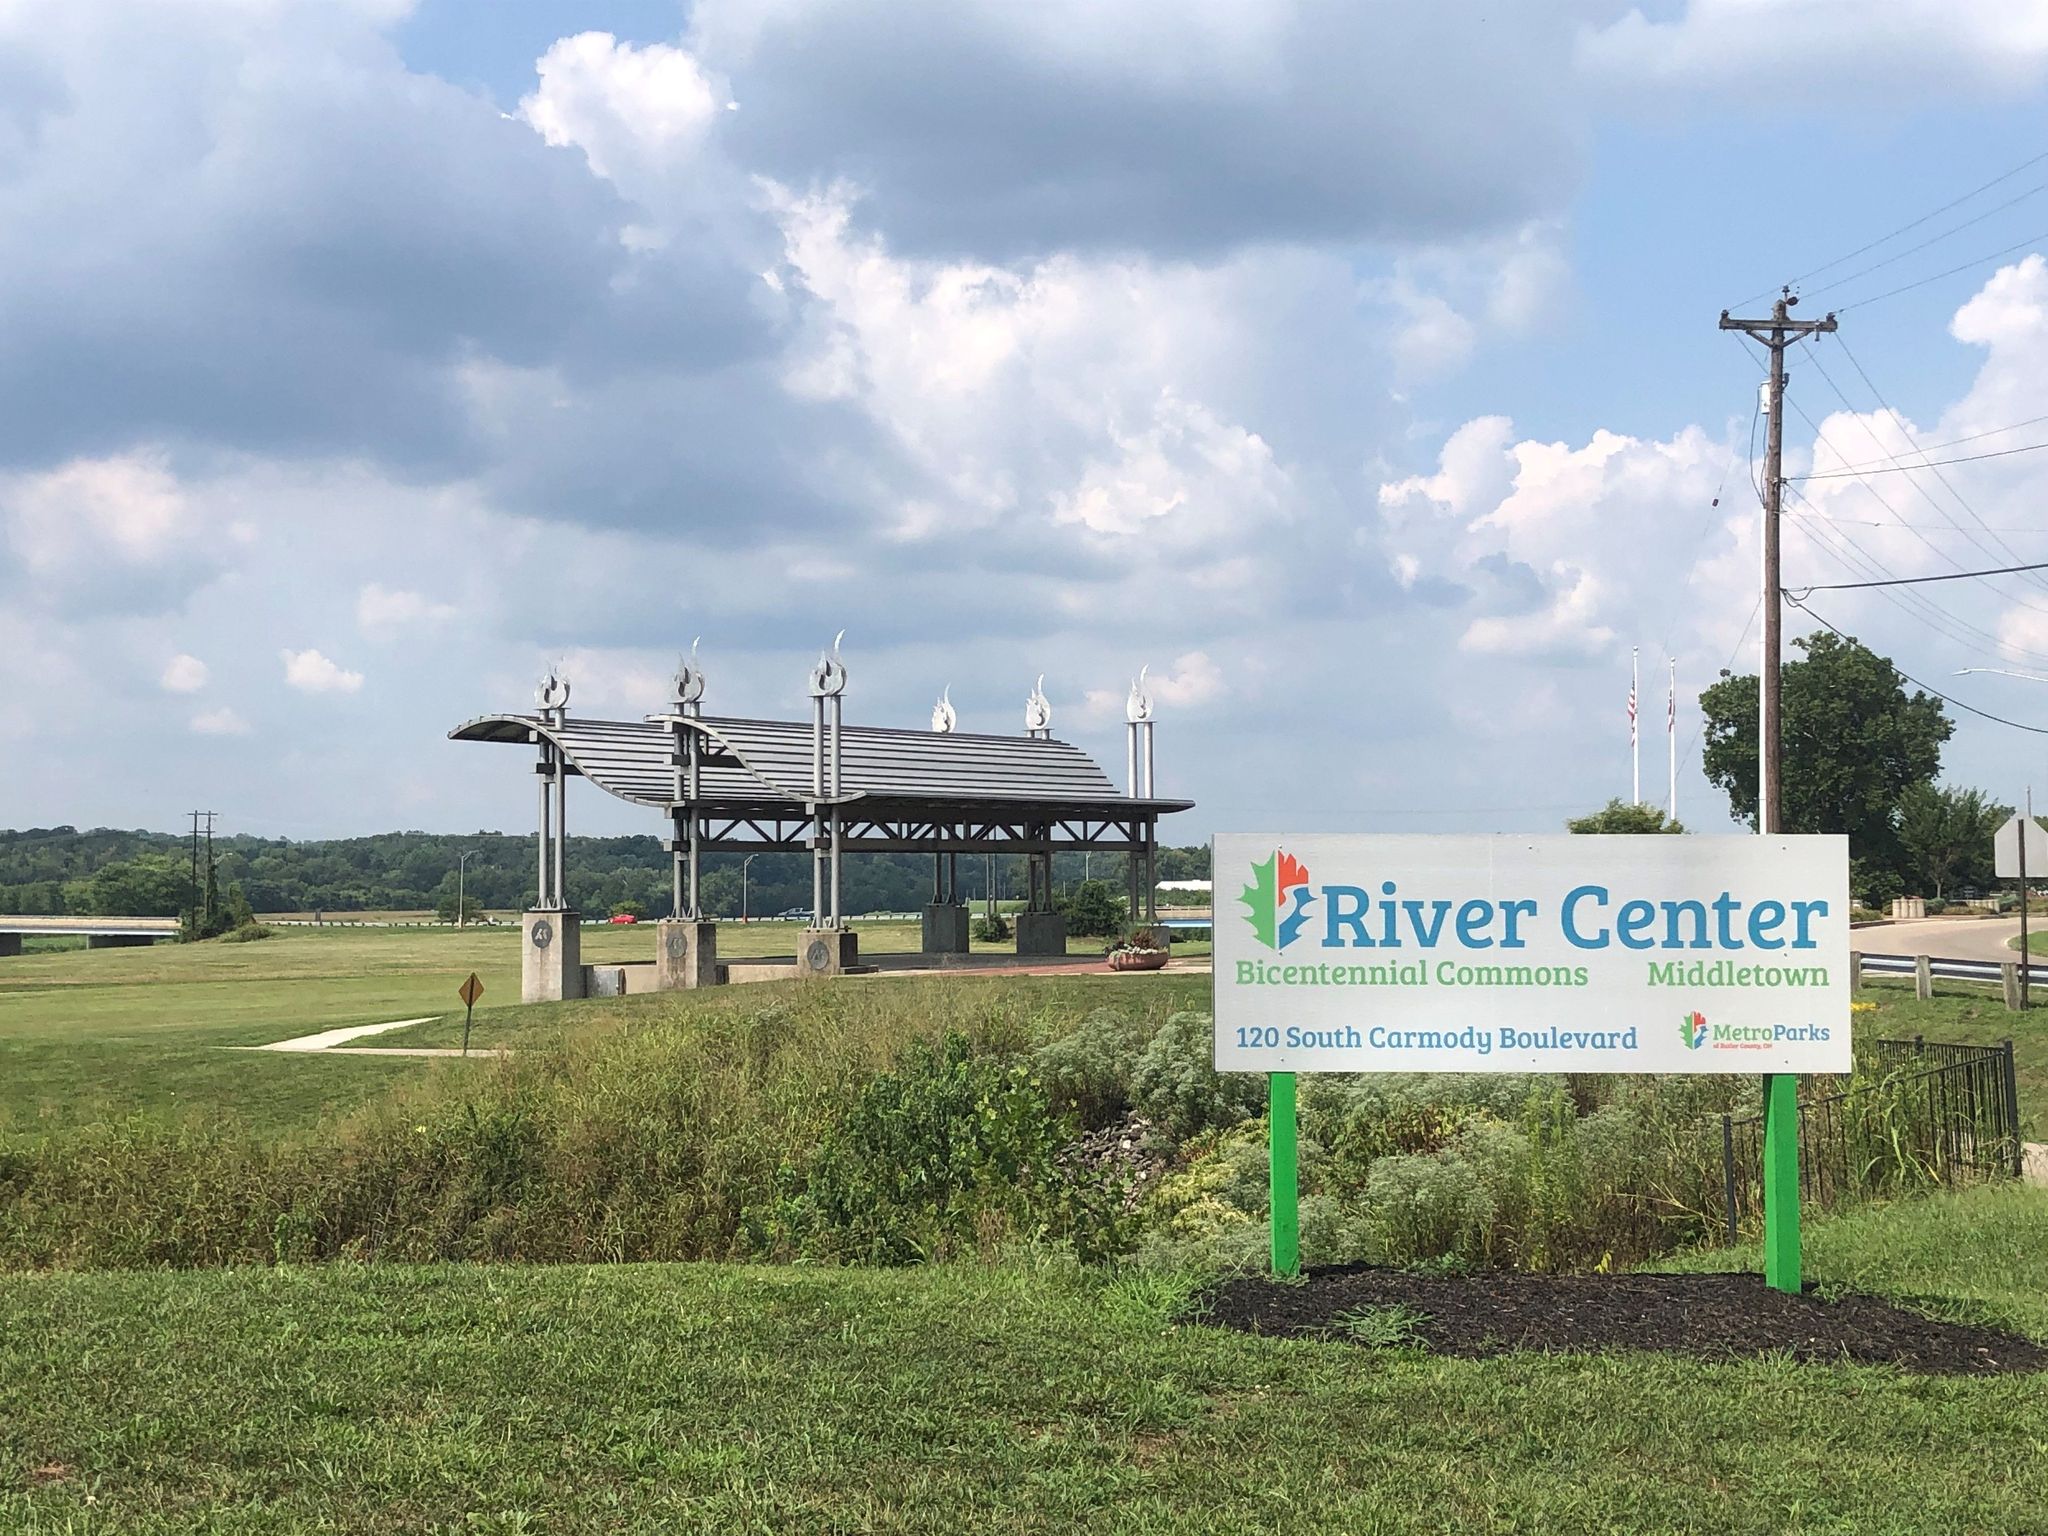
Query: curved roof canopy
[756, 765]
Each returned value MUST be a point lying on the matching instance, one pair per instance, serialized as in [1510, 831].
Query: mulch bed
[1711, 1317]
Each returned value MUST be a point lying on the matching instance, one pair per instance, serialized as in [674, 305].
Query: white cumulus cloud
[619, 103]
[219, 722]
[382, 610]
[184, 674]
[310, 672]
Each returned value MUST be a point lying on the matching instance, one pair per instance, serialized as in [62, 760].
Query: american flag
[1671, 708]
[1631, 710]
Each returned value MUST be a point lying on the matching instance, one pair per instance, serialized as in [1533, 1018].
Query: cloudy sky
[1354, 366]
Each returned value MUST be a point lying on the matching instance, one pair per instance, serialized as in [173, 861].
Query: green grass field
[89, 1035]
[958, 1398]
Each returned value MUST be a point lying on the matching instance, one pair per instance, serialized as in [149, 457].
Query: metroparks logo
[1278, 900]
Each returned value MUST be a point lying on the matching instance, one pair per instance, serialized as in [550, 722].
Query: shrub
[1093, 909]
[248, 933]
[949, 1154]
[1089, 1072]
[1428, 1206]
[992, 928]
[1175, 1082]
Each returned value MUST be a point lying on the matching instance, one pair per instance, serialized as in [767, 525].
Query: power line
[1861, 562]
[1949, 626]
[1899, 421]
[1879, 266]
[1892, 293]
[1865, 522]
[1858, 561]
[1910, 225]
[1923, 687]
[1873, 468]
[2002, 551]
[1957, 442]
[1914, 581]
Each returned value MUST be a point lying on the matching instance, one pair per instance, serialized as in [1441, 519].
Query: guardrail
[1926, 970]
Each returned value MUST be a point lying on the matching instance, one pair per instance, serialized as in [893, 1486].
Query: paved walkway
[1944, 938]
[328, 1039]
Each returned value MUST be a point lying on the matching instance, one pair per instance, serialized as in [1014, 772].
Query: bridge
[99, 932]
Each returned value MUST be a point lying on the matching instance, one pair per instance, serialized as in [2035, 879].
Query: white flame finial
[689, 680]
[943, 716]
[1138, 708]
[1038, 708]
[828, 677]
[553, 692]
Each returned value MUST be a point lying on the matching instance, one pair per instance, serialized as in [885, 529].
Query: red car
[624, 917]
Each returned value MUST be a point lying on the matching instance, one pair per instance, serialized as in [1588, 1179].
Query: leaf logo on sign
[1277, 900]
[1693, 1030]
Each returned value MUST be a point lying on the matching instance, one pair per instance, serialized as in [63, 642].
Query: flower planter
[1138, 960]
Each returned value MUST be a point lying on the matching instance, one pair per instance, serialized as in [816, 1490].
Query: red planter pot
[1138, 960]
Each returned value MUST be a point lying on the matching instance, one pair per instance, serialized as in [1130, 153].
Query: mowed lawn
[1011, 1399]
[92, 1035]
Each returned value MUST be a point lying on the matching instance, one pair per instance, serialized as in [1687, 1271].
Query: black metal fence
[1922, 1113]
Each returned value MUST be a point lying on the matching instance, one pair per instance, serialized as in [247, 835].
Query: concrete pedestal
[685, 954]
[1041, 933]
[550, 956]
[945, 929]
[10, 944]
[828, 952]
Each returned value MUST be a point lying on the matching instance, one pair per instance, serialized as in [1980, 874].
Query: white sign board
[1531, 954]
[2005, 849]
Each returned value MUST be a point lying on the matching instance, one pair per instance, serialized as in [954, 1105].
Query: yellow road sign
[472, 989]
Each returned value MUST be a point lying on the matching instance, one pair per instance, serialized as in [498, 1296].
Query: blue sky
[1354, 367]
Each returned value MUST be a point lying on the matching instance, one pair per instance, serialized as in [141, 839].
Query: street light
[743, 883]
[461, 887]
[2001, 672]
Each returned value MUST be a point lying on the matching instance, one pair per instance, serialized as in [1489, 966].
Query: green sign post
[1282, 1173]
[1781, 1182]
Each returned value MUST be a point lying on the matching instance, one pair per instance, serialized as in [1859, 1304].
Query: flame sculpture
[828, 677]
[1038, 708]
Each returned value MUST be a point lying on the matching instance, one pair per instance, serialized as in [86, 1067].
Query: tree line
[63, 871]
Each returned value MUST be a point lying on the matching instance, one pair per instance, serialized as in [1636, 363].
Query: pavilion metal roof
[754, 764]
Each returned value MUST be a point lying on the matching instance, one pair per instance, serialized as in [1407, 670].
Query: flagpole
[1635, 737]
[1671, 741]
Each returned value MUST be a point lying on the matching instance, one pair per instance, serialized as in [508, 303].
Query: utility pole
[212, 884]
[1776, 333]
[1781, 1090]
[195, 871]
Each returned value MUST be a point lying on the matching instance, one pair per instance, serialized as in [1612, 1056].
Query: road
[1945, 938]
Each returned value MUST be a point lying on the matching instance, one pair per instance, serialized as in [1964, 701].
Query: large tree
[1945, 835]
[1854, 741]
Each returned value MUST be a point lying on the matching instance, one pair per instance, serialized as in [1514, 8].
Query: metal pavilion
[729, 784]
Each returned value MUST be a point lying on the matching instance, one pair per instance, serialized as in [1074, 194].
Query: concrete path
[327, 1039]
[1944, 938]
